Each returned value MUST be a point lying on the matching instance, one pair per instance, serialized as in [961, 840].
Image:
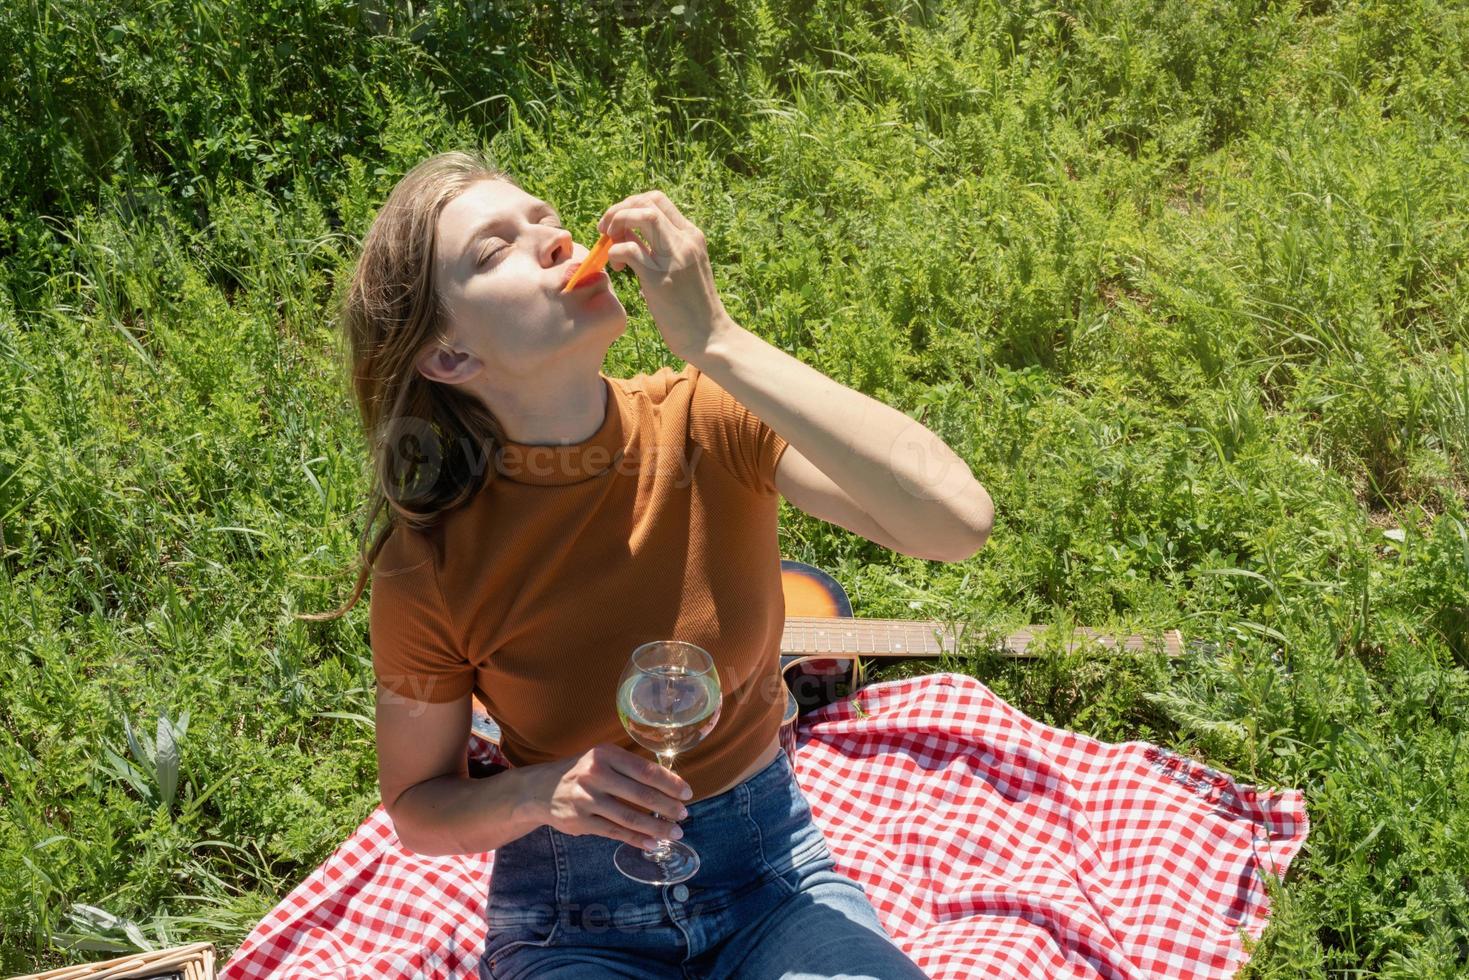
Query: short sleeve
[415, 648]
[738, 438]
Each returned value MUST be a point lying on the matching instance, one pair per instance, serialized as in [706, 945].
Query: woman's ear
[441, 363]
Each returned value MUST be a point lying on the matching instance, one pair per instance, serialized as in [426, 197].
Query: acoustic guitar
[823, 647]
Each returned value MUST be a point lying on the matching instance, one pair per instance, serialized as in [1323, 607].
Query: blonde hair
[391, 311]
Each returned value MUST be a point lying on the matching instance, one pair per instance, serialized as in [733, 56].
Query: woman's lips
[595, 259]
[591, 279]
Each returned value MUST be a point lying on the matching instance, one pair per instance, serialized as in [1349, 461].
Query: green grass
[1187, 283]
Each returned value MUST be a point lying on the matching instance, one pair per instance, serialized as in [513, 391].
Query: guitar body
[813, 680]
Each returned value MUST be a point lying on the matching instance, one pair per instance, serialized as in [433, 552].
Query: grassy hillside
[1185, 281]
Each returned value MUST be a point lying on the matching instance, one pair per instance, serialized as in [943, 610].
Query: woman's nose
[559, 247]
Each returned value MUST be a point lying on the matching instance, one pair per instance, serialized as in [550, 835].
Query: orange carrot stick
[592, 264]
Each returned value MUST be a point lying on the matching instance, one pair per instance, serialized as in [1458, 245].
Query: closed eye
[493, 251]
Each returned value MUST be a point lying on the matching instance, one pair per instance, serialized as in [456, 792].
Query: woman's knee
[828, 929]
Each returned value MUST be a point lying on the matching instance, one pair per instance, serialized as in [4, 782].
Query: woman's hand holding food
[673, 269]
[608, 790]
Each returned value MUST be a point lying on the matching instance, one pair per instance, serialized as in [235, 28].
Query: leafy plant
[153, 770]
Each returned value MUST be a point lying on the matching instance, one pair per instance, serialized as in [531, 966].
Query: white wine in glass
[668, 699]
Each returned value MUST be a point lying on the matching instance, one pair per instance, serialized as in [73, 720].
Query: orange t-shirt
[533, 594]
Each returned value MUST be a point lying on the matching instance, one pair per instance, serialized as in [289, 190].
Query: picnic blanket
[989, 843]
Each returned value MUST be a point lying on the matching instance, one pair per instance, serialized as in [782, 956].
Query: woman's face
[501, 259]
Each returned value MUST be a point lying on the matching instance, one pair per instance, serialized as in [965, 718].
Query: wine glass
[668, 699]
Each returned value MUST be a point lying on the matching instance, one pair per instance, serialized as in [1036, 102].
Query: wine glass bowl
[668, 699]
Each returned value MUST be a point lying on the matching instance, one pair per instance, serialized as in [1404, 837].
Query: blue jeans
[765, 902]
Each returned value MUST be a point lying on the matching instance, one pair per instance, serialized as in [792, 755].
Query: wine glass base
[679, 865]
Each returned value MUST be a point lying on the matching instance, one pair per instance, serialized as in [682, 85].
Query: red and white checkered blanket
[990, 844]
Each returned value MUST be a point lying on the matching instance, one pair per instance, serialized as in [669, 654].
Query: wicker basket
[192, 962]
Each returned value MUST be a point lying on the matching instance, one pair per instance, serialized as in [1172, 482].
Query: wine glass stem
[665, 846]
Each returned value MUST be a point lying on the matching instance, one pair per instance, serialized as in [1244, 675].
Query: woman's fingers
[675, 217]
[643, 795]
[652, 223]
[608, 791]
[633, 253]
[656, 199]
[603, 827]
[634, 819]
[645, 771]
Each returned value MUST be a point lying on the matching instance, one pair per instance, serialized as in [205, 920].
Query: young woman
[544, 519]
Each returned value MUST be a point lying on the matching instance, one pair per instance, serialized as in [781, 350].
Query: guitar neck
[814, 636]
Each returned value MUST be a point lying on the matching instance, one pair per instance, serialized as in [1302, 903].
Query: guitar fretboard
[842, 635]
[845, 636]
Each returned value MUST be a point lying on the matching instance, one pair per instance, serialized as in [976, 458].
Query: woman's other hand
[673, 269]
[608, 790]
